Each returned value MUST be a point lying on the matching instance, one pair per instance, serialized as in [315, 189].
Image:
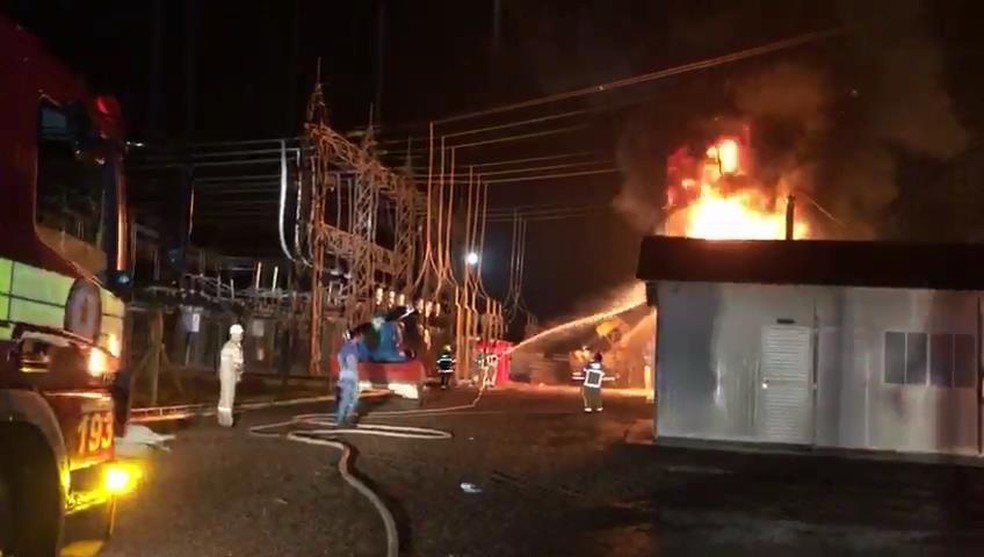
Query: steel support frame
[406, 238]
[370, 264]
[363, 269]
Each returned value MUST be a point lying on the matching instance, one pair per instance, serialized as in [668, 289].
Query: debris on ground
[470, 488]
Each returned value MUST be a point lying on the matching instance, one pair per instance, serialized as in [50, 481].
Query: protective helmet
[236, 329]
[597, 357]
[447, 348]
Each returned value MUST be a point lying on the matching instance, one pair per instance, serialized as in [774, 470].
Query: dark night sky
[256, 63]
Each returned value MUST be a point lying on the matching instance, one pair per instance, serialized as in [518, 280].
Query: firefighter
[347, 391]
[230, 372]
[491, 368]
[594, 373]
[445, 366]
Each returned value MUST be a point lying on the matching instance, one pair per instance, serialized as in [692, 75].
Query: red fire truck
[62, 272]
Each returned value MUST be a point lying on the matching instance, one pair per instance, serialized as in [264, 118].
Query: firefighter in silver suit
[230, 372]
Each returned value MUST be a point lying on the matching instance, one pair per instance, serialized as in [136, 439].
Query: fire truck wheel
[30, 480]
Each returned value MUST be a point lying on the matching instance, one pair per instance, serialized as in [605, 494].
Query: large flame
[742, 215]
[714, 197]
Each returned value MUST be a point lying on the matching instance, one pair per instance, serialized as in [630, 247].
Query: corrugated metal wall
[884, 369]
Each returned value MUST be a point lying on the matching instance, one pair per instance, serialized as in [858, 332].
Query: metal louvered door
[785, 388]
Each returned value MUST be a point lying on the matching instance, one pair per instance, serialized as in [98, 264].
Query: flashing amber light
[120, 478]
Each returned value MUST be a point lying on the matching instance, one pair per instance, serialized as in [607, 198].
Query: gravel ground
[554, 481]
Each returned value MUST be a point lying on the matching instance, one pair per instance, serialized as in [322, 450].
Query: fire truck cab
[63, 268]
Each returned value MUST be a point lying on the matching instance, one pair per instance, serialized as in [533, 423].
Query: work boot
[588, 410]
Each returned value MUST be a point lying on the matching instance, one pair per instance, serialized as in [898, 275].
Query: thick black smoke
[835, 130]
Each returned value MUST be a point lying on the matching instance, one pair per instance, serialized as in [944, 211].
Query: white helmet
[236, 329]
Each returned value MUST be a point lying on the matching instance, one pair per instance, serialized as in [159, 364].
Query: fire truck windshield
[73, 177]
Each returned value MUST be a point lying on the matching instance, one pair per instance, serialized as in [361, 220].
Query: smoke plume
[835, 130]
[640, 159]
[899, 106]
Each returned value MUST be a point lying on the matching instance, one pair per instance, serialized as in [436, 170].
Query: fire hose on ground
[322, 430]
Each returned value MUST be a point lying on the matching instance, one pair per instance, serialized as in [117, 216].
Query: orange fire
[713, 198]
[741, 216]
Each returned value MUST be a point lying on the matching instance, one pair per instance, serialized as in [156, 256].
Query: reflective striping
[6, 269]
[37, 313]
[39, 285]
[110, 326]
[111, 305]
[113, 323]
[38, 297]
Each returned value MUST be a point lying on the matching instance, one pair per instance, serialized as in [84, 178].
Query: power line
[543, 168]
[548, 206]
[535, 159]
[537, 120]
[652, 76]
[733, 57]
[252, 208]
[504, 213]
[555, 131]
[553, 176]
[820, 208]
[479, 166]
[608, 107]
[543, 218]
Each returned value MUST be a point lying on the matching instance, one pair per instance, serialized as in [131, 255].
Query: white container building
[848, 345]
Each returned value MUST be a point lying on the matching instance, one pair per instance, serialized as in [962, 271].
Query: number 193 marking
[95, 432]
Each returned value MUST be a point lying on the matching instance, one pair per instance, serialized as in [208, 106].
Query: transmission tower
[374, 273]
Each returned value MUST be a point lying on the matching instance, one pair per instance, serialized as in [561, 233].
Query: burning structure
[845, 344]
[713, 191]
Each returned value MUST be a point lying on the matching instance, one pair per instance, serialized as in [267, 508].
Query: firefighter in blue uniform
[347, 387]
[594, 374]
[445, 366]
